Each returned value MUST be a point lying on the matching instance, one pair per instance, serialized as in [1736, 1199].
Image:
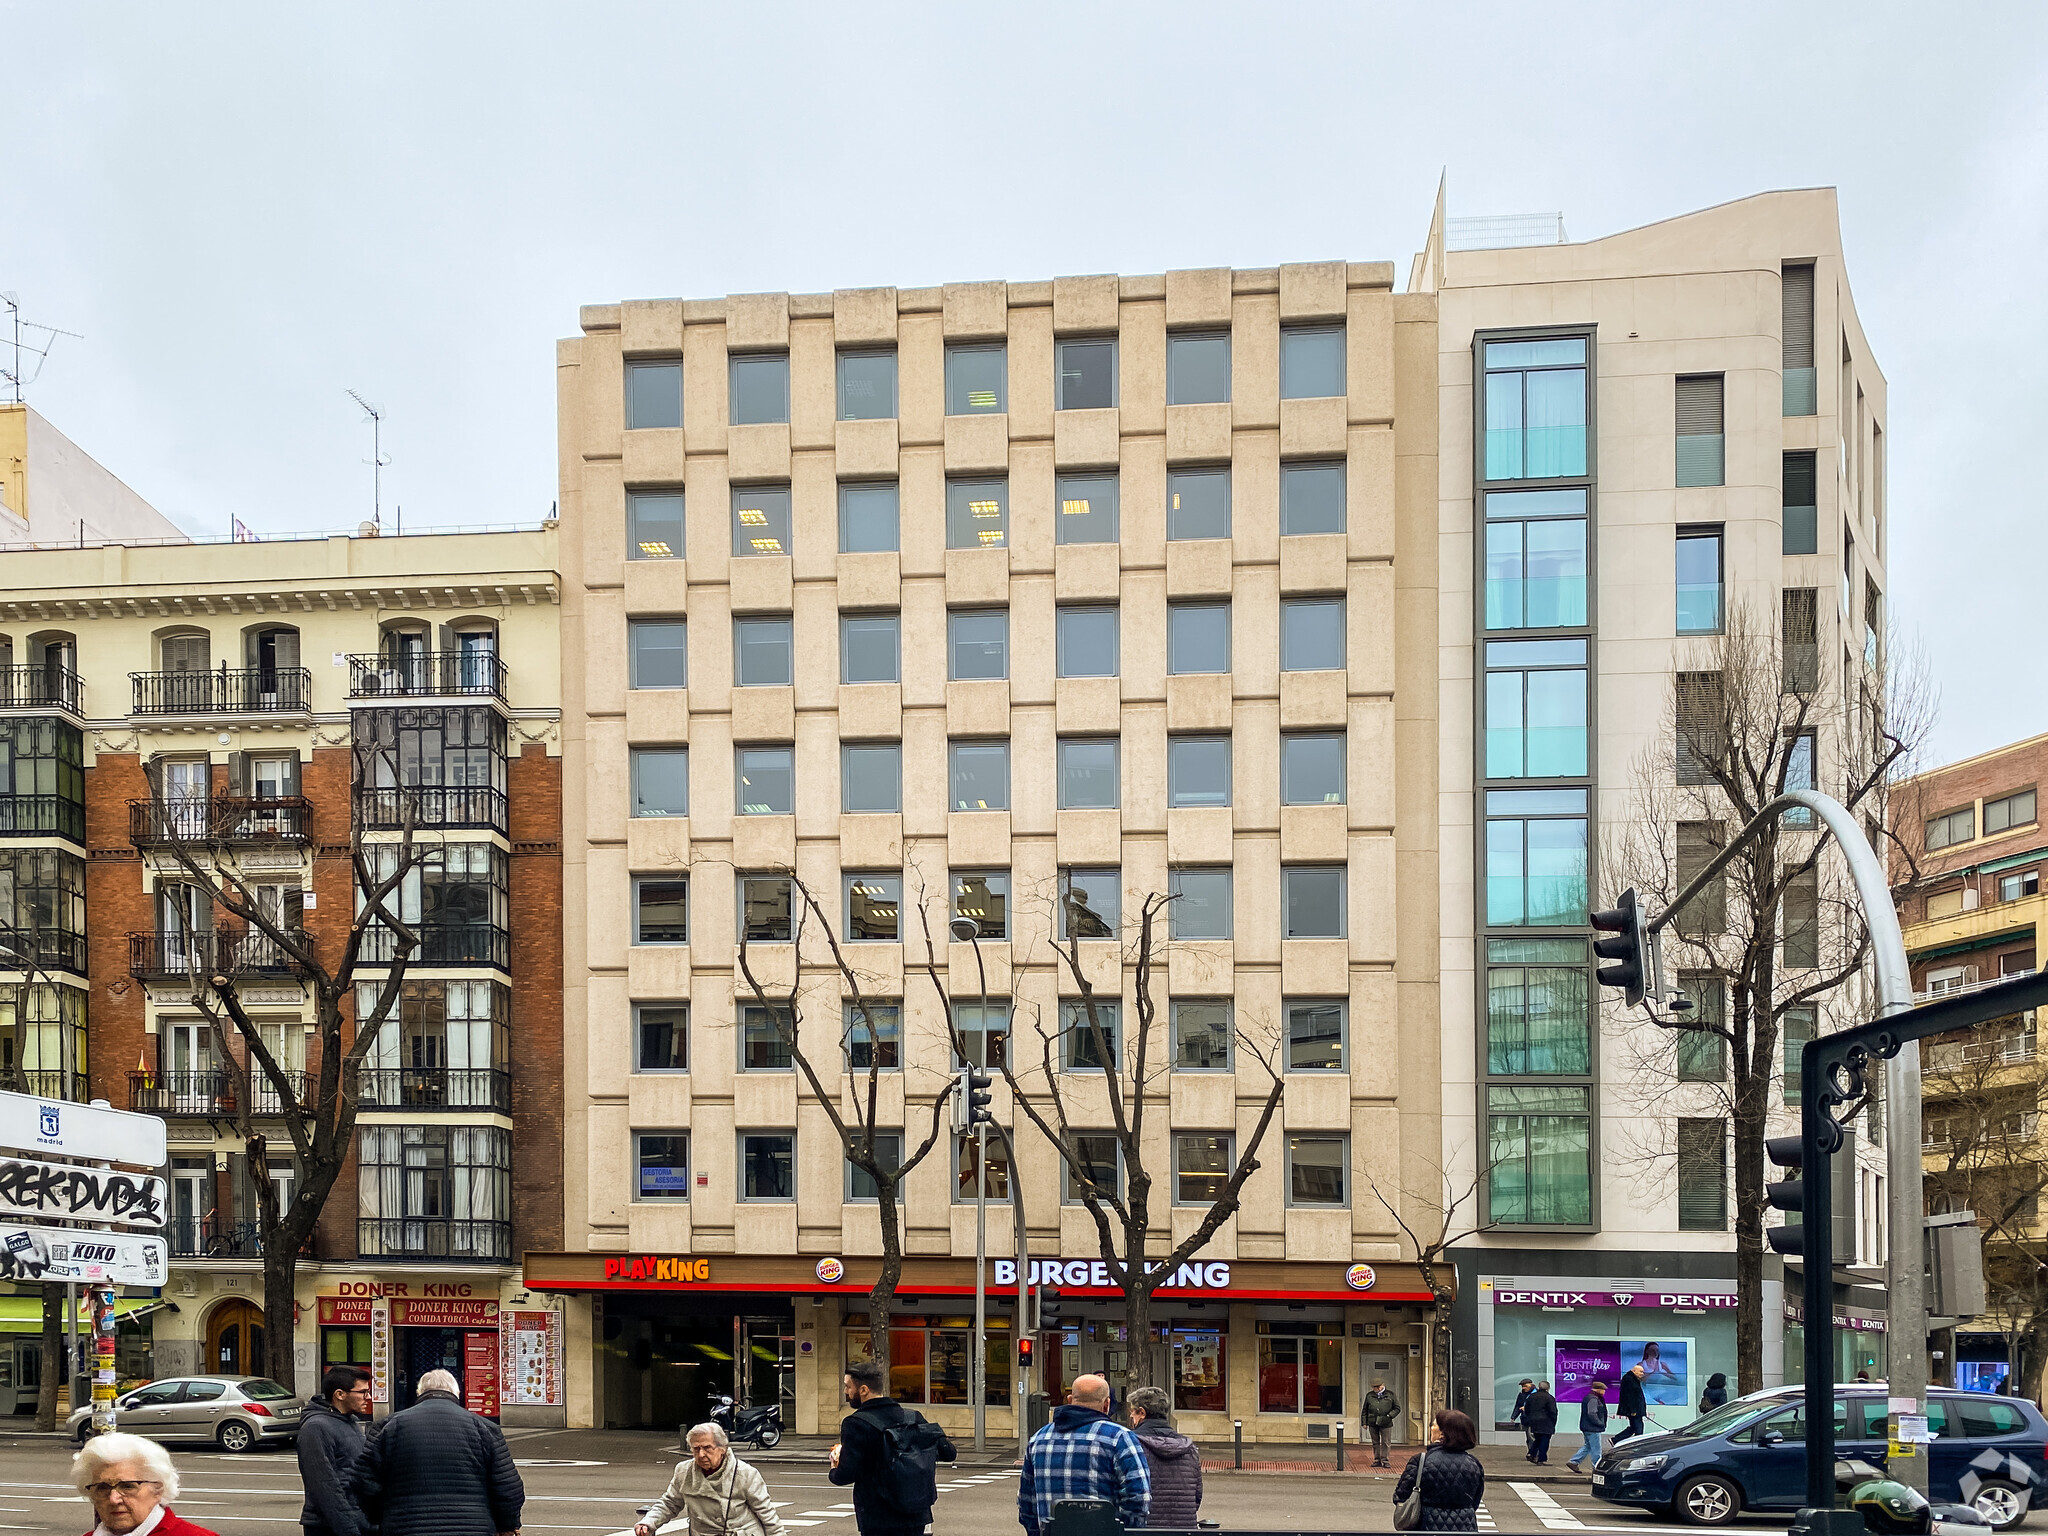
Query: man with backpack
[889, 1454]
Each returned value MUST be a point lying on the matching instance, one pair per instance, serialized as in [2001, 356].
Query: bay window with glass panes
[1534, 611]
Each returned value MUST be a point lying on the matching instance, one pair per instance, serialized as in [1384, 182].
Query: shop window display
[1301, 1368]
[929, 1356]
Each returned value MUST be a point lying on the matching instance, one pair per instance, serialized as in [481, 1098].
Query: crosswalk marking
[1553, 1515]
[1486, 1519]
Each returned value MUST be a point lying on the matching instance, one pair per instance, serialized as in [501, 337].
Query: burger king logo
[1360, 1277]
[830, 1271]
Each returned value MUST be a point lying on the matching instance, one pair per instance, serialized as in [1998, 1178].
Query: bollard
[1237, 1435]
[1340, 1447]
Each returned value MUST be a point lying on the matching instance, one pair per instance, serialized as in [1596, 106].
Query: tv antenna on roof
[12, 378]
[377, 459]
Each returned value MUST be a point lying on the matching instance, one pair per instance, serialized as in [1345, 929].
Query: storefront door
[420, 1350]
[771, 1364]
[234, 1338]
[1387, 1366]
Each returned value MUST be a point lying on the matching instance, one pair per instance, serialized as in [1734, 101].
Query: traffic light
[1625, 949]
[1789, 1194]
[1048, 1307]
[977, 1088]
[1024, 1353]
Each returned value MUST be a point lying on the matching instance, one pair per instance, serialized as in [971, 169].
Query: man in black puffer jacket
[439, 1470]
[885, 1502]
[332, 1434]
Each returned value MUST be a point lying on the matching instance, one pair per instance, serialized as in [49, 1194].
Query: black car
[1988, 1452]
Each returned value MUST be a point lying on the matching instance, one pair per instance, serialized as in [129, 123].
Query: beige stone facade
[998, 447]
[1732, 421]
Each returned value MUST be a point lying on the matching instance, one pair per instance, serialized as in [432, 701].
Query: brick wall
[115, 906]
[535, 793]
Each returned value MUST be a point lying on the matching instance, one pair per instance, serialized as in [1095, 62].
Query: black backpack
[909, 1480]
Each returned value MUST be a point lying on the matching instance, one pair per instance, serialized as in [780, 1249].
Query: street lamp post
[967, 929]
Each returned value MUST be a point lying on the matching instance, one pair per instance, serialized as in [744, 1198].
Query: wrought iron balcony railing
[442, 944]
[427, 675]
[171, 956]
[431, 805]
[224, 691]
[211, 1237]
[42, 816]
[29, 949]
[221, 819]
[209, 1091]
[440, 1238]
[436, 1088]
[43, 687]
[59, 1084]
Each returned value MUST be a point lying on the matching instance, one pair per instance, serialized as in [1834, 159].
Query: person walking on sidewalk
[1633, 1406]
[1376, 1415]
[1082, 1454]
[721, 1494]
[888, 1454]
[438, 1470]
[1453, 1482]
[1593, 1425]
[1521, 1403]
[1174, 1461]
[1539, 1417]
[332, 1434]
[1716, 1392]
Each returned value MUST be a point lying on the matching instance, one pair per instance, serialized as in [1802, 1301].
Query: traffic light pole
[1905, 1262]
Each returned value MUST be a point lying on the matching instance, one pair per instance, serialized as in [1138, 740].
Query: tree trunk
[53, 1351]
[1439, 1359]
[1137, 1332]
[280, 1302]
[1750, 1102]
[882, 1299]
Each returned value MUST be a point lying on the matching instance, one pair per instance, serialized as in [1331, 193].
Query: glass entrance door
[771, 1364]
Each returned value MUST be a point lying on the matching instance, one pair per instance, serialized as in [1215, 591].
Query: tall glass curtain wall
[1535, 649]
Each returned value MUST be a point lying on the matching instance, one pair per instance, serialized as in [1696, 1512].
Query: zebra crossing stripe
[1553, 1515]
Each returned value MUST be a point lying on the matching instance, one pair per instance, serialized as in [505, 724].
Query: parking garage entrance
[663, 1358]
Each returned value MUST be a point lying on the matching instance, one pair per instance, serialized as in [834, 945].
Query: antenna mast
[377, 459]
[13, 378]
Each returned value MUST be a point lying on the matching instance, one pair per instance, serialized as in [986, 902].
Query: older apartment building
[1967, 871]
[1643, 437]
[949, 601]
[221, 701]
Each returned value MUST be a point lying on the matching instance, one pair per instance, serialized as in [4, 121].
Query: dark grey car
[233, 1412]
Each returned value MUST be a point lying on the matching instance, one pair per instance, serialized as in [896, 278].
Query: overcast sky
[246, 210]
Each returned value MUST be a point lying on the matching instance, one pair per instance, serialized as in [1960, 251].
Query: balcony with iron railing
[1955, 1055]
[1941, 1133]
[224, 690]
[211, 1091]
[42, 949]
[431, 806]
[72, 1087]
[440, 1239]
[42, 816]
[221, 819]
[42, 687]
[428, 675]
[442, 944]
[238, 953]
[215, 1237]
[431, 1088]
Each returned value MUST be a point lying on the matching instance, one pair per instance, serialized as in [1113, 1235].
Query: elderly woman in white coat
[721, 1494]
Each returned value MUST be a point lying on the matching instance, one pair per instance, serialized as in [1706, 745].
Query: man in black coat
[861, 1458]
[332, 1434]
[1539, 1417]
[1632, 1407]
[439, 1470]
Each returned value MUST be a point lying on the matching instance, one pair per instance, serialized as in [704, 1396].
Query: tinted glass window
[1197, 637]
[1312, 770]
[1201, 904]
[661, 781]
[663, 1037]
[872, 778]
[1087, 642]
[207, 1391]
[1091, 903]
[1198, 504]
[981, 775]
[760, 389]
[979, 644]
[657, 653]
[766, 781]
[1198, 770]
[868, 648]
[760, 520]
[1088, 509]
[761, 652]
[1088, 775]
[1312, 635]
[654, 394]
[1197, 369]
[1311, 361]
[975, 381]
[661, 912]
[1312, 498]
[977, 514]
[654, 525]
[867, 518]
[1314, 902]
[867, 386]
[1087, 375]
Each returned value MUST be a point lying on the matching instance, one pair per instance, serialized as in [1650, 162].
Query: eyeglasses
[126, 1490]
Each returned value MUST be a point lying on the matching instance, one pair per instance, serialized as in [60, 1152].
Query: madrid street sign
[87, 1132]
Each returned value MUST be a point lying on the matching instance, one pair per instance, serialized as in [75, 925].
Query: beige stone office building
[948, 600]
[1642, 436]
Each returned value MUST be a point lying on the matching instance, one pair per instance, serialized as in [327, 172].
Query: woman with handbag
[1442, 1489]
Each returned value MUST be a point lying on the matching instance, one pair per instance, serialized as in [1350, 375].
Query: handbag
[1408, 1513]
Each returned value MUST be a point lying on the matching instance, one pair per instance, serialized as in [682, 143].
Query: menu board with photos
[531, 1371]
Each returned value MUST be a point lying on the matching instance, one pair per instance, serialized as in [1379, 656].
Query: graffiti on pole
[52, 1192]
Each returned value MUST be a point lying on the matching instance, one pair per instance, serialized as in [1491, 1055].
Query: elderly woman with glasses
[128, 1479]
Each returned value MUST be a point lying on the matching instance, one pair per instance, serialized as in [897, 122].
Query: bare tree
[1753, 717]
[1134, 1073]
[1454, 1209]
[855, 1107]
[1982, 1090]
[318, 1113]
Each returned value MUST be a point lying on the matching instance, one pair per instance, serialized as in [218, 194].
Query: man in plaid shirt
[1084, 1454]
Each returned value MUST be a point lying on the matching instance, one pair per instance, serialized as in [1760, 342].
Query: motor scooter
[748, 1426]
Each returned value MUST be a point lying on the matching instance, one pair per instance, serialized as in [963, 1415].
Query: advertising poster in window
[530, 1375]
[1575, 1364]
[380, 1351]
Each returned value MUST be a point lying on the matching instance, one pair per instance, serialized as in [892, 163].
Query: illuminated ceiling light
[991, 535]
[768, 546]
[655, 549]
[982, 399]
[1176, 501]
[985, 508]
[1076, 508]
[753, 515]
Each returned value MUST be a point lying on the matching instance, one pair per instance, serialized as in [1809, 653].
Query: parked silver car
[234, 1412]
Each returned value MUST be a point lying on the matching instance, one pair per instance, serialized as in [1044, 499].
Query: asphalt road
[593, 1485]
